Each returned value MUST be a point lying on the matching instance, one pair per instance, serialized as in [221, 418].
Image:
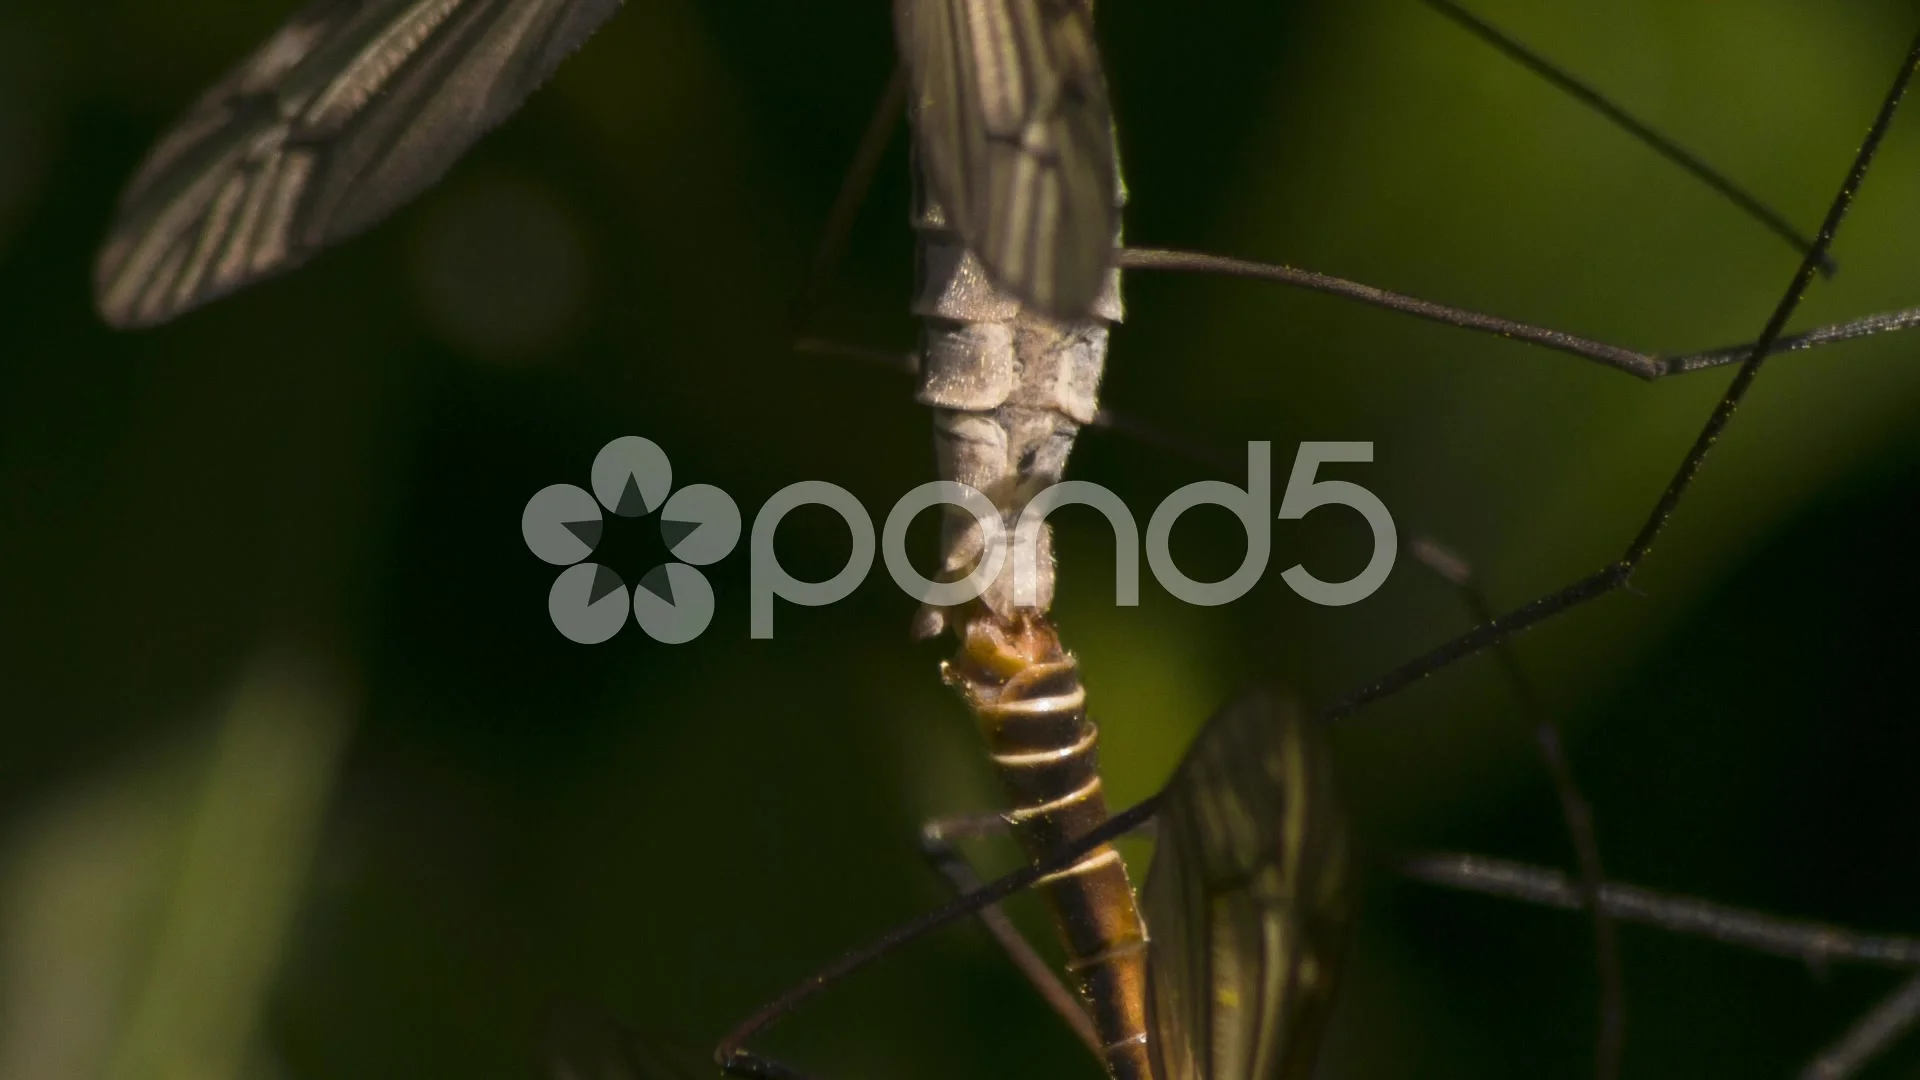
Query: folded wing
[1015, 139]
[1247, 900]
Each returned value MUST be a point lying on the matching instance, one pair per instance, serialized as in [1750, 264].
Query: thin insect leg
[1646, 366]
[1893, 1017]
[937, 844]
[1813, 943]
[1586, 94]
[853, 191]
[1574, 808]
[733, 1057]
[1620, 572]
[1809, 942]
[1887, 322]
[1641, 365]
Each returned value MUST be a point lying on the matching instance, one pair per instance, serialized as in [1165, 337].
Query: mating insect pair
[995, 91]
[354, 108]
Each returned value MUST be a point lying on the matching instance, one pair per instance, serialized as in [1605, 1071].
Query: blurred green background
[297, 780]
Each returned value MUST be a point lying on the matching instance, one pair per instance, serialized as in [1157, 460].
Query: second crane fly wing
[1247, 900]
[1015, 139]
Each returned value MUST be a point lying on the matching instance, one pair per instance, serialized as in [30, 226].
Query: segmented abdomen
[1010, 389]
[1025, 692]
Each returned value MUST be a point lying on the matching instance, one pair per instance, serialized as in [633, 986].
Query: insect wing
[1015, 140]
[1246, 900]
[350, 109]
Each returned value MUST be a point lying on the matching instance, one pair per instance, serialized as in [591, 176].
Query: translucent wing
[349, 110]
[1015, 140]
[1247, 900]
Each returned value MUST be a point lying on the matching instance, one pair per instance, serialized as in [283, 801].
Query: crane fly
[1220, 978]
[355, 106]
[1017, 200]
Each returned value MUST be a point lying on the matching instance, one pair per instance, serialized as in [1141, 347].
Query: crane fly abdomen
[1017, 199]
[1010, 387]
[1025, 692]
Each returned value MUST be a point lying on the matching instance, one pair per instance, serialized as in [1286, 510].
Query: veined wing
[1015, 140]
[1247, 900]
[349, 110]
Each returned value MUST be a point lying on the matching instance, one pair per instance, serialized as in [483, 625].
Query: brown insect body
[1025, 692]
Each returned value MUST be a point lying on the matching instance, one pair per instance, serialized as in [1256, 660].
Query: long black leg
[1887, 322]
[1646, 366]
[1575, 811]
[1589, 96]
[937, 844]
[1643, 365]
[1813, 943]
[736, 1060]
[1620, 572]
[1818, 945]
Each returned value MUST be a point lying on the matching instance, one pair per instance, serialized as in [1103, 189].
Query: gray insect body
[1017, 209]
[1010, 388]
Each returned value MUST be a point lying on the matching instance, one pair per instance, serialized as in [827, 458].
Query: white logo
[672, 602]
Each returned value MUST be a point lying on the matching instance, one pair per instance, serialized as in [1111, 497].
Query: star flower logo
[631, 477]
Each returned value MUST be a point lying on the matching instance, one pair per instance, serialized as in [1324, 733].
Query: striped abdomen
[1026, 694]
